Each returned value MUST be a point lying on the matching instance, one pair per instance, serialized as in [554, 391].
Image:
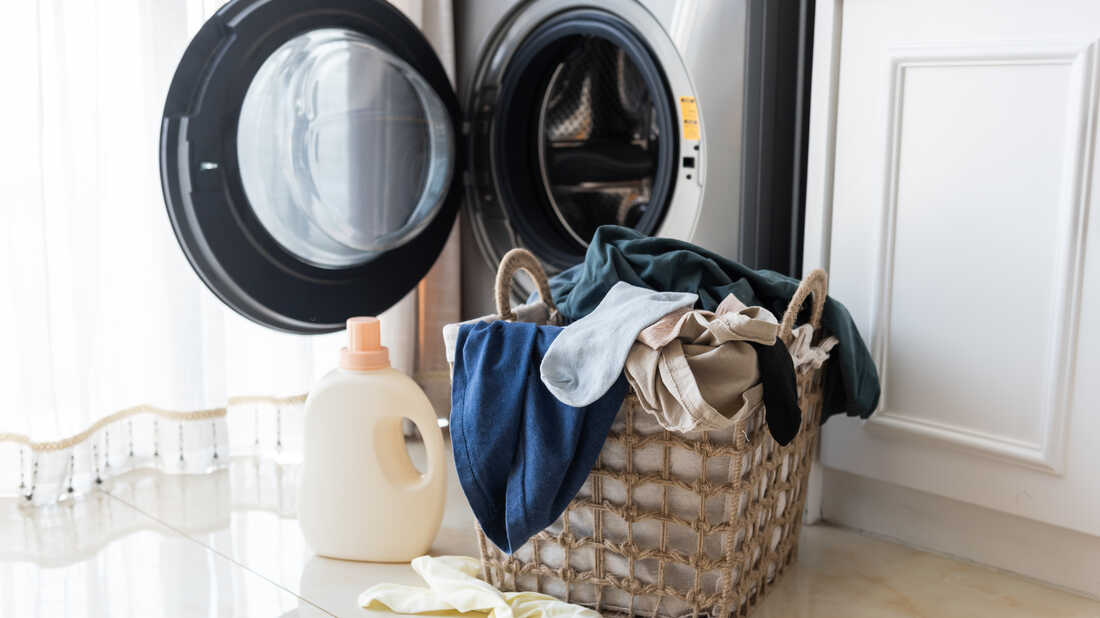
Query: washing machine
[314, 154]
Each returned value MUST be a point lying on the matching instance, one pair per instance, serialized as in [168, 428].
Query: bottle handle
[432, 436]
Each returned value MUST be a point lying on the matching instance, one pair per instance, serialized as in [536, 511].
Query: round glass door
[344, 150]
[308, 159]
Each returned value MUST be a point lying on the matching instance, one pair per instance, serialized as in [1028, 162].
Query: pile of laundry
[692, 334]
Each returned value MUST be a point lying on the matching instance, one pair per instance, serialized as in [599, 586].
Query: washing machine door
[309, 159]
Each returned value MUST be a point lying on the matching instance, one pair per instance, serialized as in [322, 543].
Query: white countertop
[227, 545]
[222, 544]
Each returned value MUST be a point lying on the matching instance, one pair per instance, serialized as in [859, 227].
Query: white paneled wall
[957, 188]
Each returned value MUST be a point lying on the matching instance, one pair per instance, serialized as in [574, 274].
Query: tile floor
[227, 544]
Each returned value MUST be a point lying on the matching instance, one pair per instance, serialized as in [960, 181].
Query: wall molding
[964, 531]
[820, 174]
[1047, 454]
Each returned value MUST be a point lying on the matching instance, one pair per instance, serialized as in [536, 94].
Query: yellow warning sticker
[690, 112]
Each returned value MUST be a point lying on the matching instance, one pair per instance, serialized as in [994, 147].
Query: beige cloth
[804, 354]
[695, 370]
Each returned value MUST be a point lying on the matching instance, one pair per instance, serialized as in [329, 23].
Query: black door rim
[225, 243]
[511, 141]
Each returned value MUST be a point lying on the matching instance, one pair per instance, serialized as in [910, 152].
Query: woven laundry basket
[670, 524]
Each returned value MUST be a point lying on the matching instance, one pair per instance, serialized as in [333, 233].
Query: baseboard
[1050, 554]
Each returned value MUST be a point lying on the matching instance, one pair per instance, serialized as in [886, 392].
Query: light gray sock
[588, 356]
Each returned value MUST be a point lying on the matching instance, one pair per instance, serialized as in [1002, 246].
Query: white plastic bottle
[360, 496]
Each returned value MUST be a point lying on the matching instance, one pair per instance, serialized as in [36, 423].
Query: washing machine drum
[598, 140]
[582, 135]
[311, 168]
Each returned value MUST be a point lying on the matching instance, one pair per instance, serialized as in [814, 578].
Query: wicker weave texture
[642, 537]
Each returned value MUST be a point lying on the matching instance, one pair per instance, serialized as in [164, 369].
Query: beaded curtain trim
[172, 415]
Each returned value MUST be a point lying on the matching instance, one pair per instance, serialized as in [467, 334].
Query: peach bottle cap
[365, 350]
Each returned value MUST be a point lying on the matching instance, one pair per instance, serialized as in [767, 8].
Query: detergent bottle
[360, 496]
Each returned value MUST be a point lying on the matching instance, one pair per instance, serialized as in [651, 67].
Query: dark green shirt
[622, 254]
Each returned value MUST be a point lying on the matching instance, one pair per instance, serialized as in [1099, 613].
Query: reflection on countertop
[220, 544]
[101, 557]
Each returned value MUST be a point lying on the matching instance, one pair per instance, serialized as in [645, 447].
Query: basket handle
[520, 259]
[815, 283]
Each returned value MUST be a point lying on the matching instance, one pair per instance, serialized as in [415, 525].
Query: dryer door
[309, 158]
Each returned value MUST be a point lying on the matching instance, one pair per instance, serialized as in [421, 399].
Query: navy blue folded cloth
[521, 454]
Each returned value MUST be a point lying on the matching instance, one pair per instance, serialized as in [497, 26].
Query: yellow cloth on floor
[454, 588]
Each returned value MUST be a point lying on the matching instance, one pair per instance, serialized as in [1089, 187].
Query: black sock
[780, 391]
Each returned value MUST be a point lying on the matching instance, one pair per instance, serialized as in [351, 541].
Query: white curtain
[114, 354]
